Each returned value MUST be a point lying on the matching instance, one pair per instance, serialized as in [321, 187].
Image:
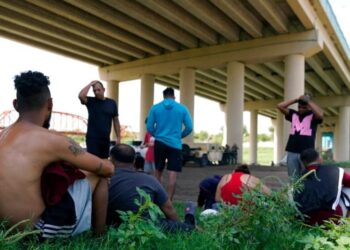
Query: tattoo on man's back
[75, 148]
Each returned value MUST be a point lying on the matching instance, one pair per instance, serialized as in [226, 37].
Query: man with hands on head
[102, 113]
[302, 135]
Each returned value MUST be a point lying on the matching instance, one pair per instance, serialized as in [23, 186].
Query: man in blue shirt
[102, 113]
[123, 193]
[165, 123]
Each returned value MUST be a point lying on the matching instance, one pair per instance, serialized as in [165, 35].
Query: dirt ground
[189, 179]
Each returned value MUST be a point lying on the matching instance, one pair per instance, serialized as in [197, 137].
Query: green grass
[258, 222]
[265, 155]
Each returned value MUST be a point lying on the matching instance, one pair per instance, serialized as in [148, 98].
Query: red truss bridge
[60, 121]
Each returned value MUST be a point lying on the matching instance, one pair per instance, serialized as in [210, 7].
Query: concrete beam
[125, 22]
[241, 15]
[203, 10]
[61, 26]
[81, 17]
[272, 13]
[311, 20]
[183, 18]
[253, 51]
[153, 20]
[50, 48]
[322, 101]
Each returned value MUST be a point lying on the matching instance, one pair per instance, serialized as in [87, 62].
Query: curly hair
[32, 90]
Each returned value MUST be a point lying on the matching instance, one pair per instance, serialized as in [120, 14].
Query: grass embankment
[265, 155]
[259, 222]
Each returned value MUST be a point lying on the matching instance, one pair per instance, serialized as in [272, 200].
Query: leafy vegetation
[258, 222]
[136, 230]
[204, 136]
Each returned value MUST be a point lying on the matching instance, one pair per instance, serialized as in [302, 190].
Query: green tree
[264, 137]
[217, 138]
[202, 136]
[245, 134]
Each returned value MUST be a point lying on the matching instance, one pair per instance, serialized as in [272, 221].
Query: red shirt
[232, 191]
[150, 149]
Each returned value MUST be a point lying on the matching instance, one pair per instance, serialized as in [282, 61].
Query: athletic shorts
[344, 202]
[165, 154]
[71, 216]
[98, 147]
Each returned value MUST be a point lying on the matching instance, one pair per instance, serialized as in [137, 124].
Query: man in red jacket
[325, 194]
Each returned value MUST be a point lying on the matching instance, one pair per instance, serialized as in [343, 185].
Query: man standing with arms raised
[304, 122]
[165, 121]
[102, 113]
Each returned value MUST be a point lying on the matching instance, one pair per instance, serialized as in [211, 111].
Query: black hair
[32, 90]
[301, 102]
[308, 156]
[98, 82]
[168, 92]
[243, 169]
[139, 162]
[123, 153]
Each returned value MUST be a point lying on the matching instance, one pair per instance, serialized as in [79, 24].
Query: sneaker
[190, 210]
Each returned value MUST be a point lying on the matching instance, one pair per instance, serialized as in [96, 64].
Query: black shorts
[163, 152]
[98, 147]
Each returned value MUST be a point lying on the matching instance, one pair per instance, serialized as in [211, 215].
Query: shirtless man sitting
[27, 147]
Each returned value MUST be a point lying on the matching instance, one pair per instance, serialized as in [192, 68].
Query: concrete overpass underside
[245, 54]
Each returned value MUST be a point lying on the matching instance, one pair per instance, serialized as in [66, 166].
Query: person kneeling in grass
[74, 200]
[231, 186]
[123, 192]
[325, 194]
[207, 190]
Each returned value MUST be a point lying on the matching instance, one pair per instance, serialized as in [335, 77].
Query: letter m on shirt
[303, 127]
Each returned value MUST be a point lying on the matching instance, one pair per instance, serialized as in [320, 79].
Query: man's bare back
[25, 150]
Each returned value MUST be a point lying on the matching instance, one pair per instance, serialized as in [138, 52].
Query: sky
[69, 76]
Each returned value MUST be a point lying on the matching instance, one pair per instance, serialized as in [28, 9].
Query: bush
[136, 230]
[329, 236]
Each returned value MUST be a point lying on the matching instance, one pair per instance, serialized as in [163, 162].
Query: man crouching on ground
[27, 147]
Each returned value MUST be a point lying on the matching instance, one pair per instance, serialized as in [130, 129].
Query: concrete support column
[147, 96]
[294, 84]
[113, 93]
[187, 87]
[278, 138]
[336, 143]
[342, 137]
[318, 142]
[253, 135]
[224, 132]
[235, 104]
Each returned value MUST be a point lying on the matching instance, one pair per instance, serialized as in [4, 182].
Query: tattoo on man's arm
[98, 170]
[75, 148]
